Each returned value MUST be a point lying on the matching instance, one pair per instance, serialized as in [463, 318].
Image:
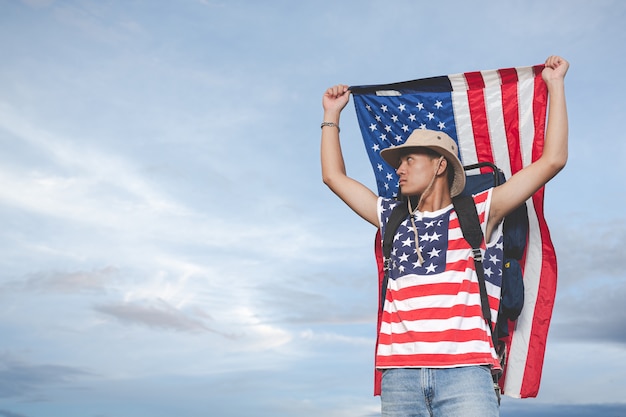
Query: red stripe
[510, 110]
[539, 116]
[457, 244]
[481, 198]
[454, 222]
[460, 310]
[460, 266]
[433, 360]
[474, 80]
[478, 115]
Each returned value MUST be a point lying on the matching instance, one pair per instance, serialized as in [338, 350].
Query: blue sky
[168, 247]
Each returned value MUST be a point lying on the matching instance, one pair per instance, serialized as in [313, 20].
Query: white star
[420, 106]
[499, 245]
[434, 253]
[378, 118]
[383, 136]
[380, 167]
[488, 272]
[441, 125]
[398, 138]
[425, 237]
[438, 104]
[429, 224]
[397, 236]
[404, 257]
[373, 127]
[412, 117]
[383, 108]
[367, 106]
[394, 118]
[405, 128]
[422, 126]
[389, 176]
[430, 268]
[494, 259]
[435, 236]
[402, 107]
[430, 116]
[407, 242]
[388, 128]
[401, 268]
[376, 148]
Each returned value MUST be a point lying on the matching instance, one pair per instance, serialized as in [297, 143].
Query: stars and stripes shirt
[432, 314]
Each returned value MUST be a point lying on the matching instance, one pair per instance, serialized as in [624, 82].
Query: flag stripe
[465, 133]
[475, 80]
[480, 128]
[510, 111]
[497, 135]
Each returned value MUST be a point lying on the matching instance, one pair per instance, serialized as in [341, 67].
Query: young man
[435, 349]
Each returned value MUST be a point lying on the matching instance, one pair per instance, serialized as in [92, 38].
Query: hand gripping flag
[495, 116]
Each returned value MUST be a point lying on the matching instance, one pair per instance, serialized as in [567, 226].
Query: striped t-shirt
[432, 314]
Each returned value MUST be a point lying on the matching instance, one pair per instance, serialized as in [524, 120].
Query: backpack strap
[397, 216]
[465, 208]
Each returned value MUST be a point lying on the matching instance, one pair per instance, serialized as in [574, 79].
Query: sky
[168, 246]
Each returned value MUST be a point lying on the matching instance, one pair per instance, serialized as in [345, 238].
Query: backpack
[515, 231]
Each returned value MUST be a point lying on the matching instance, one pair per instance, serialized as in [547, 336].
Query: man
[434, 348]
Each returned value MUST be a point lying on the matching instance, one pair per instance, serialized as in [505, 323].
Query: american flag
[495, 116]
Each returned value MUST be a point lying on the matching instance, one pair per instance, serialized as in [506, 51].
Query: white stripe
[492, 290]
[526, 92]
[464, 132]
[458, 82]
[497, 130]
[434, 325]
[434, 301]
[450, 277]
[491, 78]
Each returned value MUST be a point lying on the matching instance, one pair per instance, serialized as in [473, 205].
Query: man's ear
[443, 164]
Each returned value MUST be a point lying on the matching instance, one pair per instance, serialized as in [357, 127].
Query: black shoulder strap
[470, 227]
[397, 216]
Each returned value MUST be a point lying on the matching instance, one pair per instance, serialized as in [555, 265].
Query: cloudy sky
[168, 247]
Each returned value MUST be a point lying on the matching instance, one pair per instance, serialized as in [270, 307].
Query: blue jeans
[432, 392]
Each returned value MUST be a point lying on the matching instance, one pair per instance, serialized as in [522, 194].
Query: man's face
[415, 172]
